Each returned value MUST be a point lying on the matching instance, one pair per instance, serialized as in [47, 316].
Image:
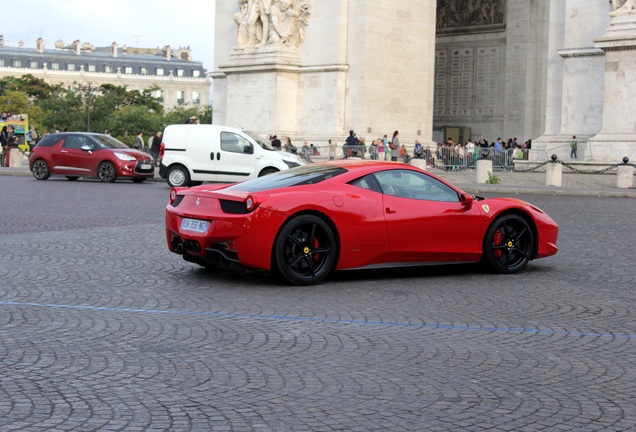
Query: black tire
[178, 176]
[106, 172]
[509, 244]
[267, 171]
[199, 183]
[139, 179]
[72, 178]
[305, 250]
[40, 169]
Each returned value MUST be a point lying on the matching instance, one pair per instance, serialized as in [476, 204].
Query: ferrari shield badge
[198, 203]
[486, 208]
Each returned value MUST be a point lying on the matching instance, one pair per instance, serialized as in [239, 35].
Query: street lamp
[90, 89]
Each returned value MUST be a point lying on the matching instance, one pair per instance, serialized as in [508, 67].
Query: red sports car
[85, 154]
[306, 222]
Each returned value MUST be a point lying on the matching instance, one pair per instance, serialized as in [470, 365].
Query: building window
[55, 65]
[70, 66]
[160, 71]
[33, 64]
[108, 69]
[158, 94]
[196, 73]
[128, 70]
[1, 62]
[196, 97]
[92, 68]
[17, 63]
[143, 70]
[180, 96]
[180, 72]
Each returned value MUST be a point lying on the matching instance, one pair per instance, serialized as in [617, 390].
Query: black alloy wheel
[106, 172]
[305, 250]
[509, 244]
[40, 170]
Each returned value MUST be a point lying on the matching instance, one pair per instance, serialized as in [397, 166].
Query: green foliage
[492, 179]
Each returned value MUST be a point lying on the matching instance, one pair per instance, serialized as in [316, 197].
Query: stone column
[618, 135]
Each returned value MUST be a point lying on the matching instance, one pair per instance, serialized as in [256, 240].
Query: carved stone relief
[271, 22]
[462, 13]
[622, 7]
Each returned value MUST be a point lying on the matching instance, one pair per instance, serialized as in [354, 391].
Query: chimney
[124, 49]
[39, 44]
[20, 44]
[1, 41]
[59, 44]
[167, 52]
[113, 49]
[76, 47]
[87, 47]
[185, 53]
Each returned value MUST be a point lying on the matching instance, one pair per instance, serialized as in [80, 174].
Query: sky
[142, 23]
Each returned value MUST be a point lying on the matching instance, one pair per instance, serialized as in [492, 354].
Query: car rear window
[302, 175]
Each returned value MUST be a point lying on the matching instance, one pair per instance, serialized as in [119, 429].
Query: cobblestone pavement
[102, 329]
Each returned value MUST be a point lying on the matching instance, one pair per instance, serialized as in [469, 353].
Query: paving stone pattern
[102, 329]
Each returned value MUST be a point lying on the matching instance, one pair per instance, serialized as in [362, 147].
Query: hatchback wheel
[305, 250]
[508, 244]
[107, 172]
[178, 176]
[40, 170]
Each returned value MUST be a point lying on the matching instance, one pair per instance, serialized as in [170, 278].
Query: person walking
[139, 141]
[155, 148]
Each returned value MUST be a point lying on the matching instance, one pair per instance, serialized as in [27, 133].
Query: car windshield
[302, 175]
[106, 142]
[260, 140]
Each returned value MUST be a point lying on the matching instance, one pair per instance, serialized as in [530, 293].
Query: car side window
[231, 142]
[368, 182]
[414, 185]
[74, 142]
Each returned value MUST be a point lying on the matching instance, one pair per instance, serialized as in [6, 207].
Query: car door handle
[218, 156]
[212, 156]
[389, 211]
[63, 151]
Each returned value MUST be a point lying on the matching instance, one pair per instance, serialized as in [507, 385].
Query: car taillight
[173, 195]
[162, 150]
[250, 203]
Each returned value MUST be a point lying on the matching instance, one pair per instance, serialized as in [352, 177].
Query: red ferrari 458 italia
[306, 222]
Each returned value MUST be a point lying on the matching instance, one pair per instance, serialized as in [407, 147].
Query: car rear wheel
[139, 179]
[178, 176]
[72, 178]
[40, 170]
[305, 250]
[107, 172]
[508, 244]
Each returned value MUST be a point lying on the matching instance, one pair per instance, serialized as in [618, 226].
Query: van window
[231, 142]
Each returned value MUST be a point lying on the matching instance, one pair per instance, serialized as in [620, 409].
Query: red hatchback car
[85, 154]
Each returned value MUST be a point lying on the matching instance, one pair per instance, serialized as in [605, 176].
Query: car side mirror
[466, 200]
[86, 148]
[248, 149]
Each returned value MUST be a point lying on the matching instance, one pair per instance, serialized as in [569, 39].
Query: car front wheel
[107, 172]
[305, 250]
[508, 244]
[40, 170]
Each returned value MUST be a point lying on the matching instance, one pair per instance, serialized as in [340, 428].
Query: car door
[71, 159]
[426, 220]
[201, 151]
[236, 160]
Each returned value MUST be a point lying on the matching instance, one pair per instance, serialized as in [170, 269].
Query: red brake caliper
[497, 241]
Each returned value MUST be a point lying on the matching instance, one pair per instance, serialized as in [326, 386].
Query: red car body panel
[372, 229]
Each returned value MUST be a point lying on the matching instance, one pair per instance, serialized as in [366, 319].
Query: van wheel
[267, 171]
[178, 176]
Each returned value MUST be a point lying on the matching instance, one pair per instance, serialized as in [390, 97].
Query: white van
[195, 153]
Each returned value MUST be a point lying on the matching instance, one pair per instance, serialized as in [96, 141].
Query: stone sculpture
[271, 22]
[622, 7]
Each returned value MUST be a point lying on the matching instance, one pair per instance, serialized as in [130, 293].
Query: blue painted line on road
[438, 326]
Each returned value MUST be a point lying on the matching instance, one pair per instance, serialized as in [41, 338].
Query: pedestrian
[332, 149]
[276, 142]
[139, 141]
[573, 147]
[155, 148]
[395, 146]
[404, 154]
[307, 152]
[381, 149]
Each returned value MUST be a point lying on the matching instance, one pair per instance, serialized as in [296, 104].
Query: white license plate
[195, 225]
[146, 166]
